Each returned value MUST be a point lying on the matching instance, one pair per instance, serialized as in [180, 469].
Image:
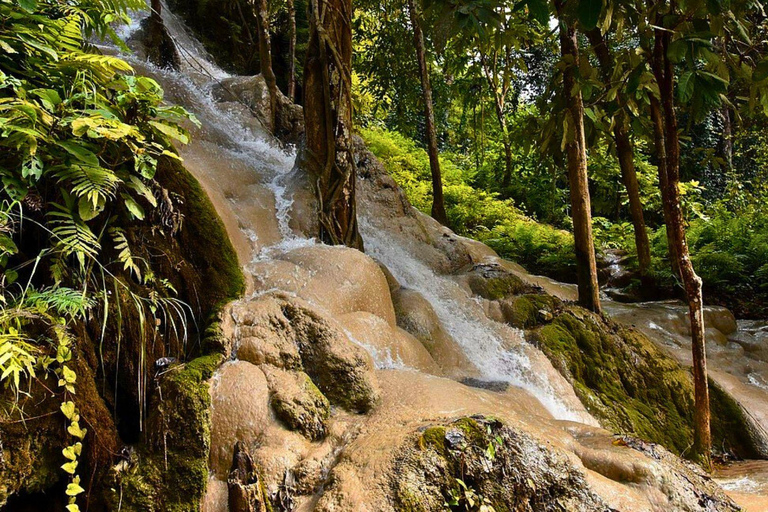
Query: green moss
[473, 432]
[525, 311]
[496, 285]
[632, 386]
[204, 237]
[306, 412]
[433, 437]
[171, 470]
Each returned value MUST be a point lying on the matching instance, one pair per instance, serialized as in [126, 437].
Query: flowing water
[244, 172]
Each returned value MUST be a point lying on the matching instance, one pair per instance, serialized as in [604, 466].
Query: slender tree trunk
[507, 179]
[438, 204]
[625, 153]
[159, 45]
[664, 73]
[328, 117]
[727, 143]
[265, 58]
[589, 291]
[661, 157]
[626, 157]
[291, 50]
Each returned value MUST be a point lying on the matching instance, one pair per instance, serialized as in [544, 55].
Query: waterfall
[245, 153]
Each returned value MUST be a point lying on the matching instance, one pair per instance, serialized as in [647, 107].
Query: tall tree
[669, 158]
[291, 49]
[576, 152]
[328, 154]
[624, 151]
[265, 58]
[438, 204]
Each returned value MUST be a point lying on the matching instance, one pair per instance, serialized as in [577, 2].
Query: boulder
[240, 411]
[297, 402]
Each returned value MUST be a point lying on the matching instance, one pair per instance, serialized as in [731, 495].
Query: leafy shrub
[80, 142]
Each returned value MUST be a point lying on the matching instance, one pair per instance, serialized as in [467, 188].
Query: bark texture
[586, 268]
[666, 133]
[438, 204]
[246, 492]
[291, 49]
[328, 116]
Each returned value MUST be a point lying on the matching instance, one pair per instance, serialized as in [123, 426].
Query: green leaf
[87, 210]
[83, 154]
[677, 49]
[68, 408]
[172, 131]
[70, 467]
[75, 430]
[589, 13]
[133, 207]
[28, 5]
[539, 10]
[685, 86]
[761, 70]
[74, 489]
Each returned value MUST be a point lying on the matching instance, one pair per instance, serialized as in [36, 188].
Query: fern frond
[124, 256]
[71, 235]
[96, 184]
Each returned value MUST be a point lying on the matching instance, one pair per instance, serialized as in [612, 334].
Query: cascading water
[244, 171]
[498, 351]
[241, 147]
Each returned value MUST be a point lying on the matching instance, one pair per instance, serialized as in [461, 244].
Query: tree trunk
[664, 73]
[328, 118]
[727, 142]
[291, 50]
[161, 50]
[625, 153]
[589, 291]
[438, 204]
[265, 59]
[661, 157]
[507, 179]
[626, 157]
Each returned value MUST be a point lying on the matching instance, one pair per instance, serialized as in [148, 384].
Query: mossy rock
[170, 470]
[497, 465]
[298, 403]
[529, 310]
[631, 385]
[492, 282]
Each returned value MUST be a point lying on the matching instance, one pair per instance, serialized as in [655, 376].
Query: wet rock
[265, 335]
[492, 282]
[252, 92]
[491, 385]
[240, 411]
[416, 316]
[529, 310]
[297, 402]
[721, 319]
[287, 332]
[342, 370]
[389, 345]
[480, 461]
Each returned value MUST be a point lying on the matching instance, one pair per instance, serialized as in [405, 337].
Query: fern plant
[80, 141]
